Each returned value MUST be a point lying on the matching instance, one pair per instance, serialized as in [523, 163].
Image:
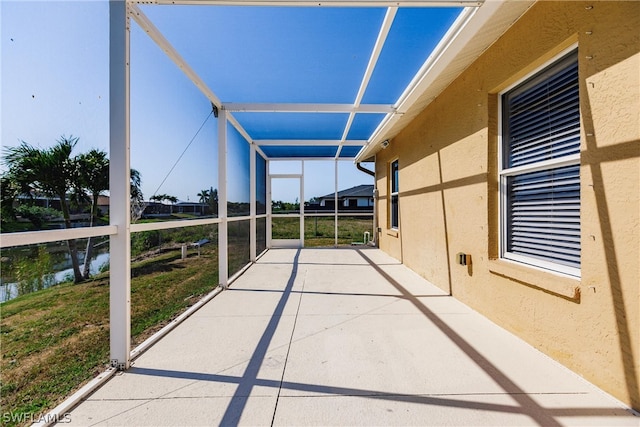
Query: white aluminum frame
[407, 99]
[286, 243]
[322, 3]
[335, 204]
[223, 238]
[8, 240]
[237, 107]
[120, 227]
[119, 187]
[302, 207]
[302, 142]
[268, 202]
[252, 202]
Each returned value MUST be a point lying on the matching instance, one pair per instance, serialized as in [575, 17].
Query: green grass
[320, 231]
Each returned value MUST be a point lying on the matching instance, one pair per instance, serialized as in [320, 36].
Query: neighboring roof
[338, 76]
[357, 191]
[103, 200]
[190, 204]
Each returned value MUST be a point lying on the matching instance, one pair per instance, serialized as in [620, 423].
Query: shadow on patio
[343, 337]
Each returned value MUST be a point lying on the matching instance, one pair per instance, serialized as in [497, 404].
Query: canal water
[62, 270]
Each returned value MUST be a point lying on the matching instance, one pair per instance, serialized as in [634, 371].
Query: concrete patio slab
[343, 337]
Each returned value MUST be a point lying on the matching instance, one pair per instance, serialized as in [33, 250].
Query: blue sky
[54, 72]
[54, 81]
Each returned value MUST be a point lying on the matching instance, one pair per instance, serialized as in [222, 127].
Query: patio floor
[343, 337]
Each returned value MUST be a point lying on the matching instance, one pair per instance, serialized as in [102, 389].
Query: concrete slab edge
[59, 413]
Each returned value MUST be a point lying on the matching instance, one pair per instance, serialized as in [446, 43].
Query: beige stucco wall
[448, 194]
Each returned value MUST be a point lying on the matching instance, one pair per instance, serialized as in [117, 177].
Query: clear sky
[54, 80]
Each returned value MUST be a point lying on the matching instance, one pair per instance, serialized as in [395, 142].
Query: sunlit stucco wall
[448, 194]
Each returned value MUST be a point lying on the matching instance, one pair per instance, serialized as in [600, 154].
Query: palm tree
[204, 196]
[170, 199]
[92, 169]
[50, 171]
[9, 192]
[137, 198]
[213, 200]
[157, 197]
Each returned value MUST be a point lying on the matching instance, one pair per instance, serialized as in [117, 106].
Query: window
[540, 169]
[394, 187]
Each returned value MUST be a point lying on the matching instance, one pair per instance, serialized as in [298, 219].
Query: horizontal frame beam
[340, 214]
[308, 142]
[311, 159]
[286, 175]
[155, 34]
[45, 236]
[322, 3]
[238, 107]
[165, 225]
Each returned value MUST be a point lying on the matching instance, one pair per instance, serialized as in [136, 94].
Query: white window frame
[393, 194]
[504, 173]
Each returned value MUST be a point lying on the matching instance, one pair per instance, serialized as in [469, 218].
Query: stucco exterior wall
[449, 194]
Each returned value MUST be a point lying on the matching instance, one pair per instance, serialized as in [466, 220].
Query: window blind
[544, 118]
[541, 120]
[543, 220]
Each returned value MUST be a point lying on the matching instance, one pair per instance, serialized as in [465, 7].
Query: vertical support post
[268, 201]
[302, 206]
[252, 201]
[335, 205]
[223, 236]
[375, 205]
[119, 182]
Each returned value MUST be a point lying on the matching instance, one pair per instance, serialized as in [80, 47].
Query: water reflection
[32, 268]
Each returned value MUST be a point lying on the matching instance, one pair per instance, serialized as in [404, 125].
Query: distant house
[359, 197]
[190, 208]
[153, 209]
[103, 205]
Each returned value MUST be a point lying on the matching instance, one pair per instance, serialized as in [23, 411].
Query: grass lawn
[320, 231]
